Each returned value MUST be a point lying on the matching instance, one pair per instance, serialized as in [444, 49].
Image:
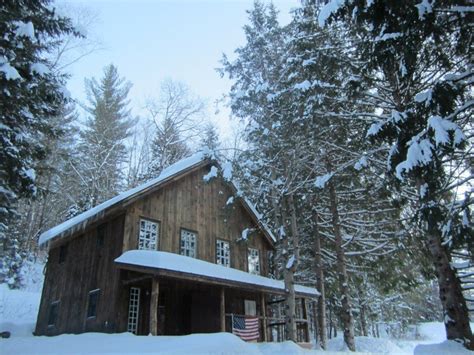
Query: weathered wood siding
[87, 266]
[187, 202]
[194, 204]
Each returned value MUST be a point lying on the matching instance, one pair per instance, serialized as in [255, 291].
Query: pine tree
[210, 138]
[55, 190]
[274, 156]
[102, 146]
[31, 93]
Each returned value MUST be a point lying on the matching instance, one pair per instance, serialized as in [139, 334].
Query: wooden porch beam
[136, 279]
[222, 309]
[155, 294]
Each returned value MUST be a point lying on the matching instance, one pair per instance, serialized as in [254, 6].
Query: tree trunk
[456, 315]
[278, 221]
[321, 316]
[363, 320]
[330, 323]
[290, 319]
[346, 315]
[290, 268]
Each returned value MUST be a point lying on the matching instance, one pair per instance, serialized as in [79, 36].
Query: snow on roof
[165, 174]
[179, 263]
[172, 170]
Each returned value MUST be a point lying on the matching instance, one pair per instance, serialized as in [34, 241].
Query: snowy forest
[354, 142]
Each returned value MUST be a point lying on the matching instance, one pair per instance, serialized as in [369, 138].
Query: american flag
[245, 327]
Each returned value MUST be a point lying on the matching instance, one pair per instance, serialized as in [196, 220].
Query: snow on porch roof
[167, 173]
[200, 268]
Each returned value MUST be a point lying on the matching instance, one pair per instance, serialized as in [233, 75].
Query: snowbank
[126, 343]
[433, 341]
[368, 345]
[446, 347]
[18, 311]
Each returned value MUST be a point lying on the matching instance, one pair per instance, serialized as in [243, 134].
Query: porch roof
[174, 265]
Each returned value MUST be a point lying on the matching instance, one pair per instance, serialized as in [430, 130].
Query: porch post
[222, 309]
[155, 293]
[306, 316]
[264, 316]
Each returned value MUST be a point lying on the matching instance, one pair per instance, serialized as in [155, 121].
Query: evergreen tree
[419, 63]
[55, 188]
[31, 94]
[274, 158]
[102, 147]
[210, 138]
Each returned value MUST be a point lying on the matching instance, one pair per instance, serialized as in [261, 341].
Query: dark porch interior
[183, 308]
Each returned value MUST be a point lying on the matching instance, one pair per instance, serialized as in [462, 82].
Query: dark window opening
[92, 304]
[101, 235]
[53, 313]
[62, 253]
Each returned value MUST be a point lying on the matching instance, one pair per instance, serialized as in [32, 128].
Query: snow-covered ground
[18, 311]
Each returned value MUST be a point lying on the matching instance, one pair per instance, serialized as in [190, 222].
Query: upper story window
[222, 253]
[188, 243]
[148, 235]
[254, 261]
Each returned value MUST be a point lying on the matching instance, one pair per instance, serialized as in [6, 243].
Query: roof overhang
[171, 265]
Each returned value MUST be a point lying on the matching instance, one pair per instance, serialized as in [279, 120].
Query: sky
[149, 41]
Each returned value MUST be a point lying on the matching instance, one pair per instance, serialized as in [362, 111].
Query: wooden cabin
[181, 254]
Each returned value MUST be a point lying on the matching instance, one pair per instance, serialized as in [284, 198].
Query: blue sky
[152, 40]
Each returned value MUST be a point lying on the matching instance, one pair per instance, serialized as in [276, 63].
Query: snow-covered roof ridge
[172, 170]
[179, 263]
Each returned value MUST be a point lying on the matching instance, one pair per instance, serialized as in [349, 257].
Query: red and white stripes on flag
[246, 327]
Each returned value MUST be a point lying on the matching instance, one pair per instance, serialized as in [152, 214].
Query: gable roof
[173, 171]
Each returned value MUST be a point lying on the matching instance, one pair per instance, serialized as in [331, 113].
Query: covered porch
[170, 294]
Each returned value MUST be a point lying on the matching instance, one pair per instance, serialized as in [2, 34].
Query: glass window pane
[148, 235]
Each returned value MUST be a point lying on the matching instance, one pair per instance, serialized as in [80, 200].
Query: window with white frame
[148, 235]
[133, 309]
[188, 243]
[254, 261]
[223, 253]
